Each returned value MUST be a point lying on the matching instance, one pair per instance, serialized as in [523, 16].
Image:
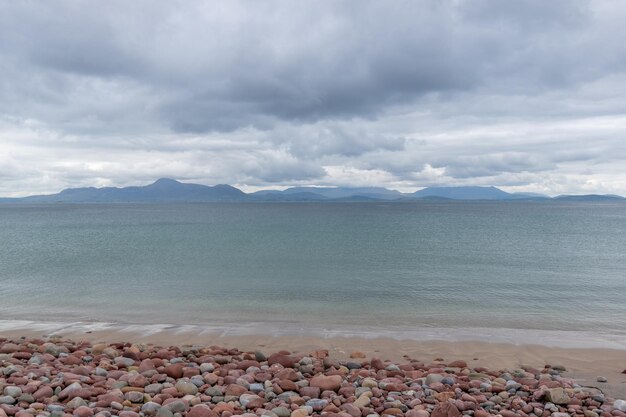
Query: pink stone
[43, 392]
[137, 380]
[326, 383]
[189, 372]
[234, 389]
[377, 364]
[312, 392]
[285, 360]
[83, 411]
[146, 365]
[445, 410]
[351, 409]
[174, 371]
[201, 411]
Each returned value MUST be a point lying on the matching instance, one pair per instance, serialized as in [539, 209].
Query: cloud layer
[529, 95]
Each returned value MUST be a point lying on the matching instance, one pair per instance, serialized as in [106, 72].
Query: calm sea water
[544, 266]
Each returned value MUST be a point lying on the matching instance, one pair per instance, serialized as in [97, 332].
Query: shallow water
[414, 266]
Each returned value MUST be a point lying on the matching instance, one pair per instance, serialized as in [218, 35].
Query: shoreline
[162, 332]
[584, 364]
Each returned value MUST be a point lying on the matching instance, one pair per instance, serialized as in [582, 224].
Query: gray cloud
[528, 95]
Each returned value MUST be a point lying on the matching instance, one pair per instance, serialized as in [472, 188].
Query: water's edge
[171, 332]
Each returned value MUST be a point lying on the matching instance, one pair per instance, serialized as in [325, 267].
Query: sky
[526, 95]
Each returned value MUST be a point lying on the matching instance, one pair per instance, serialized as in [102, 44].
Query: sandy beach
[349, 357]
[585, 363]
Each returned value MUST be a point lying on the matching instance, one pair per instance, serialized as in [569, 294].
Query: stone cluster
[61, 378]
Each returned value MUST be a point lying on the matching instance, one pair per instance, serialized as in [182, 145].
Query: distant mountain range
[169, 190]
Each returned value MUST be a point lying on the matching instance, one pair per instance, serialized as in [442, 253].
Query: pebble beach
[59, 377]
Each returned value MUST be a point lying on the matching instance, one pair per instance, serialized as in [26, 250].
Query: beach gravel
[63, 378]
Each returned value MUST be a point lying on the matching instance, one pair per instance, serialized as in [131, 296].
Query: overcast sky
[523, 95]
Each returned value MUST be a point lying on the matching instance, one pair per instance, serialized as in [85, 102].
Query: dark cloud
[404, 93]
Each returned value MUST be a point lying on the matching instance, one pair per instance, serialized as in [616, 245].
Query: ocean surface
[427, 269]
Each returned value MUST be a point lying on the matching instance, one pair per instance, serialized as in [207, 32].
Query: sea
[523, 272]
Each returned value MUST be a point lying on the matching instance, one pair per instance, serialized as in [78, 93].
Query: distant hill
[169, 190]
[464, 193]
[374, 193]
[163, 190]
[589, 197]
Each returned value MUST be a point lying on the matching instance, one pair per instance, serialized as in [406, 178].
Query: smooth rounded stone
[177, 406]
[362, 401]
[206, 367]
[213, 392]
[13, 391]
[256, 387]
[164, 412]
[35, 360]
[101, 372]
[448, 380]
[7, 399]
[392, 368]
[128, 413]
[83, 411]
[245, 399]
[243, 383]
[76, 402]
[200, 410]
[620, 405]
[55, 408]
[326, 383]
[422, 413]
[369, 383]
[150, 408]
[186, 387]
[361, 390]
[281, 411]
[477, 376]
[174, 370]
[496, 399]
[601, 379]
[153, 389]
[27, 398]
[234, 390]
[197, 381]
[512, 384]
[260, 357]
[9, 370]
[124, 361]
[306, 361]
[134, 396]
[119, 384]
[485, 386]
[307, 369]
[300, 412]
[599, 398]
[286, 395]
[433, 378]
[316, 404]
[268, 413]
[52, 349]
